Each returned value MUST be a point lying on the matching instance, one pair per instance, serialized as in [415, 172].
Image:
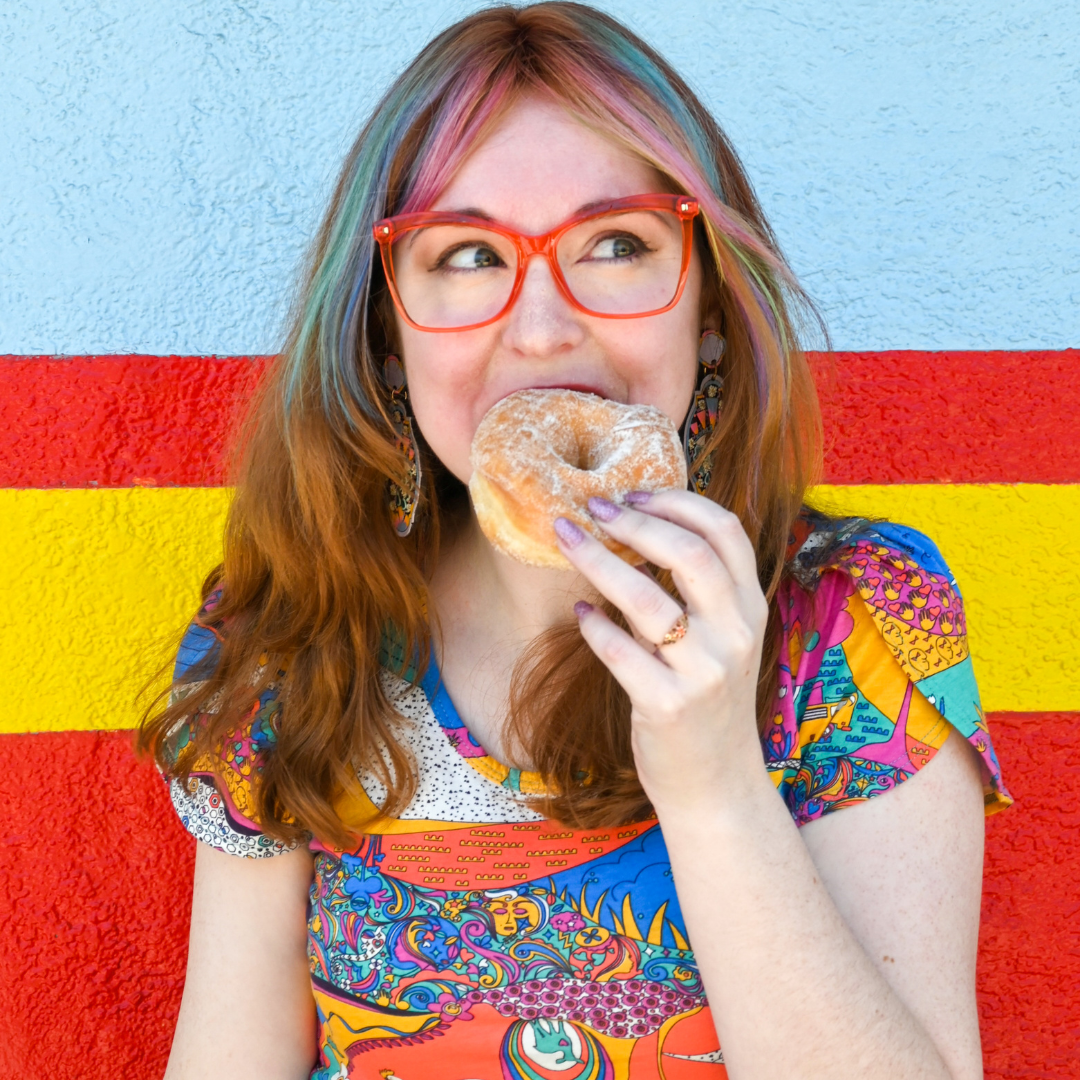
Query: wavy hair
[314, 576]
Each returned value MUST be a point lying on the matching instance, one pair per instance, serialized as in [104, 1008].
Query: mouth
[579, 388]
[575, 387]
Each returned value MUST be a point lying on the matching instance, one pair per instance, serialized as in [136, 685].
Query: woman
[501, 802]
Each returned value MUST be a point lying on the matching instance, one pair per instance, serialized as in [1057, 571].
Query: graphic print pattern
[507, 947]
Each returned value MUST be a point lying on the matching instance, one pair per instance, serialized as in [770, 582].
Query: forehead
[540, 165]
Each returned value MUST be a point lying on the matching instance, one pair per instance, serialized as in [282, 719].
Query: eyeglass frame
[387, 230]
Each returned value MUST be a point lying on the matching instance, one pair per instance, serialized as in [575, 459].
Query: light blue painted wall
[163, 164]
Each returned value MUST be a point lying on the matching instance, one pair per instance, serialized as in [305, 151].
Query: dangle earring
[704, 411]
[403, 501]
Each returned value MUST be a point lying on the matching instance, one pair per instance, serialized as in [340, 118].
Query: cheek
[660, 363]
[444, 379]
[664, 349]
[684, 369]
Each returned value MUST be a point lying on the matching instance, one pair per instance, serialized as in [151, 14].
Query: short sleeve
[875, 671]
[216, 803]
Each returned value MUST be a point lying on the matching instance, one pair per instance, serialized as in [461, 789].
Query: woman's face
[537, 169]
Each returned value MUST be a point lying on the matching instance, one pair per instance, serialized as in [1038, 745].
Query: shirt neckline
[464, 742]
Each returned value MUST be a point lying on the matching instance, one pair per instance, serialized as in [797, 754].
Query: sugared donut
[542, 454]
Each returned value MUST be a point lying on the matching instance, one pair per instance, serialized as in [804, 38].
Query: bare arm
[847, 952]
[858, 937]
[247, 1010]
[905, 873]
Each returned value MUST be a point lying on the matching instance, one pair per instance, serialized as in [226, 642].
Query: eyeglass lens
[624, 263]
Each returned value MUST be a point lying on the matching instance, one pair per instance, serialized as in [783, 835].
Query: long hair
[314, 577]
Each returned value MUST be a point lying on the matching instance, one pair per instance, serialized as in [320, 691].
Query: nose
[542, 322]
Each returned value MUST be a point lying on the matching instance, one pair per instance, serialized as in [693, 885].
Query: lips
[576, 387]
[580, 388]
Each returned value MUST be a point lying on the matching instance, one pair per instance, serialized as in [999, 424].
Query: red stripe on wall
[96, 885]
[118, 421]
[951, 417]
[1029, 943]
[891, 417]
[95, 895]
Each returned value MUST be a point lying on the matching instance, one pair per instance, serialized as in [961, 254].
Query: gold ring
[678, 631]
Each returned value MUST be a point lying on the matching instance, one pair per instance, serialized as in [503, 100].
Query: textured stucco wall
[163, 164]
[161, 168]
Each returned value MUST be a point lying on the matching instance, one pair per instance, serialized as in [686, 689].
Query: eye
[471, 257]
[617, 247]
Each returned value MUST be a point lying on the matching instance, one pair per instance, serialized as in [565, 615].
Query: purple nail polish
[568, 532]
[637, 498]
[602, 509]
[581, 609]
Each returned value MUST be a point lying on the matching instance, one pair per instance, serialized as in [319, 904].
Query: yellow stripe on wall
[1015, 552]
[98, 583]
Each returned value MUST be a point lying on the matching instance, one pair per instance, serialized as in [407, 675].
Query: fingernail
[568, 532]
[581, 609]
[638, 498]
[602, 509]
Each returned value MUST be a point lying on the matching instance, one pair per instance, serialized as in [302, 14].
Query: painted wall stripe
[97, 586]
[95, 884]
[117, 421]
[891, 417]
[908, 417]
[99, 936]
[98, 583]
[1013, 549]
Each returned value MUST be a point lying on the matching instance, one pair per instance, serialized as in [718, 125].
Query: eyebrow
[468, 211]
[476, 212]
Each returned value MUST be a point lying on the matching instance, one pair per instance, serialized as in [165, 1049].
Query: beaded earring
[403, 501]
[704, 411]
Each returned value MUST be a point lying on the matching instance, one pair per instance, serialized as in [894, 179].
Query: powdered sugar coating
[542, 454]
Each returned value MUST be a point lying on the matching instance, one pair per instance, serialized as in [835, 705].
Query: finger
[649, 610]
[697, 569]
[649, 646]
[639, 672]
[720, 527]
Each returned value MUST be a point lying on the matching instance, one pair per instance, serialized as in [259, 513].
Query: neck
[475, 582]
[487, 609]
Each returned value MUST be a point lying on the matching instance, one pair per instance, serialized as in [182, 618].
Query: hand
[694, 729]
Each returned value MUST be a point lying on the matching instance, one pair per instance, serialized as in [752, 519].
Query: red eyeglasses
[622, 260]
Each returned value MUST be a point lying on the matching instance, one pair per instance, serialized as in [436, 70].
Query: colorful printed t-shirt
[472, 939]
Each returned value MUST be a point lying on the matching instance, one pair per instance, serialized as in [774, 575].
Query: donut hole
[583, 451]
